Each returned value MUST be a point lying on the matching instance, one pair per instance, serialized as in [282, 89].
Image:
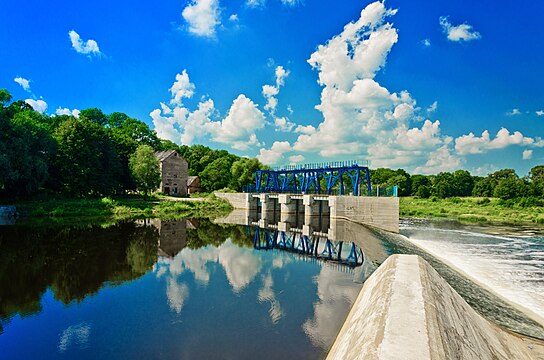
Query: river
[196, 289]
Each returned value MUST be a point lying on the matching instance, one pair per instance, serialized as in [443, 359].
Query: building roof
[191, 180]
[163, 155]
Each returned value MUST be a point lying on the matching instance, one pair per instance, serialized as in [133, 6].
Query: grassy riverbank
[124, 208]
[471, 209]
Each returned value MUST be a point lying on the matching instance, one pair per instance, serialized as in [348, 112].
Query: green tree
[464, 183]
[243, 172]
[536, 180]
[95, 115]
[510, 188]
[145, 168]
[86, 162]
[419, 180]
[217, 175]
[484, 187]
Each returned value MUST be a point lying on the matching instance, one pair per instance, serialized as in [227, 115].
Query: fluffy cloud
[539, 112]
[283, 124]
[181, 125]
[275, 153]
[38, 105]
[89, 47]
[462, 32]
[238, 127]
[203, 16]
[271, 91]
[471, 144]
[527, 154]
[66, 111]
[295, 159]
[358, 52]
[426, 42]
[182, 88]
[25, 84]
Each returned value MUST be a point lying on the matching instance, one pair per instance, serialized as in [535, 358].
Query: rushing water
[507, 260]
[152, 289]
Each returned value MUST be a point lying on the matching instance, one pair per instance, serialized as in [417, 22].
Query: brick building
[174, 173]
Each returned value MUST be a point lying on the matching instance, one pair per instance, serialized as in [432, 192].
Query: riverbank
[120, 208]
[471, 209]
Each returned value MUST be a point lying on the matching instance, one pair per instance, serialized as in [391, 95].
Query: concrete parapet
[379, 212]
[405, 310]
[241, 201]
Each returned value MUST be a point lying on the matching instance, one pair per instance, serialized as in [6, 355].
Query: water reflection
[72, 262]
[202, 291]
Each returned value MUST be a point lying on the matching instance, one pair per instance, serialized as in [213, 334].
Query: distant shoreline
[471, 210]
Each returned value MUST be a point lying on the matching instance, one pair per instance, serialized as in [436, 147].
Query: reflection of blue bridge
[326, 178]
[319, 247]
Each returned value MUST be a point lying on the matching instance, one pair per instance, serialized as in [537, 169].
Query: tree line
[504, 184]
[89, 156]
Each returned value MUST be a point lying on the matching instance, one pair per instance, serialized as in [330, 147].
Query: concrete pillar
[288, 212]
[267, 208]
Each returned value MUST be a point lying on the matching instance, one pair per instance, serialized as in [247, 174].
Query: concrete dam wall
[406, 310]
[378, 212]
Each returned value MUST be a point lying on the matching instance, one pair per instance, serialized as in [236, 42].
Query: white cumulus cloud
[181, 125]
[25, 84]
[426, 42]
[38, 105]
[203, 16]
[89, 47]
[275, 154]
[66, 111]
[462, 32]
[182, 88]
[539, 112]
[471, 144]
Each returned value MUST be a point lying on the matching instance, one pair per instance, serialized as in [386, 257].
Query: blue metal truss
[330, 250]
[315, 178]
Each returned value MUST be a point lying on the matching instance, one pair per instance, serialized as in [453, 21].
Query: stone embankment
[406, 310]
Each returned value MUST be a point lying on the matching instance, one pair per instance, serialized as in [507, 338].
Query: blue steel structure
[329, 250]
[319, 178]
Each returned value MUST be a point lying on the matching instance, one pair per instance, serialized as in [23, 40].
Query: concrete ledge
[379, 212]
[405, 310]
[241, 201]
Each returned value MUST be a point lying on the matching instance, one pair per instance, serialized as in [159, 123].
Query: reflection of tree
[240, 236]
[209, 233]
[72, 262]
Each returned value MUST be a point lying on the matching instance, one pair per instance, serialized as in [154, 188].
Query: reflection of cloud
[195, 261]
[267, 294]
[241, 265]
[280, 260]
[75, 335]
[176, 294]
[336, 294]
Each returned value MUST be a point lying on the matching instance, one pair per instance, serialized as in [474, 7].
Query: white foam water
[511, 266]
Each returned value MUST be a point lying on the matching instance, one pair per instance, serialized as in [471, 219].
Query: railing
[380, 191]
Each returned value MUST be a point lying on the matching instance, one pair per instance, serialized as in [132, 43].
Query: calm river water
[170, 290]
[190, 289]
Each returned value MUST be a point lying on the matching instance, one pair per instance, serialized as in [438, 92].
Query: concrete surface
[379, 212]
[405, 310]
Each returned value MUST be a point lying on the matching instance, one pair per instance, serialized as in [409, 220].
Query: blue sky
[426, 86]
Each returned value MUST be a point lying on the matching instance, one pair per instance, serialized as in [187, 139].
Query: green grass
[122, 208]
[471, 209]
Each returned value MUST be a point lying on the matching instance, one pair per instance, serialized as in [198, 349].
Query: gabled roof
[191, 179]
[163, 155]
